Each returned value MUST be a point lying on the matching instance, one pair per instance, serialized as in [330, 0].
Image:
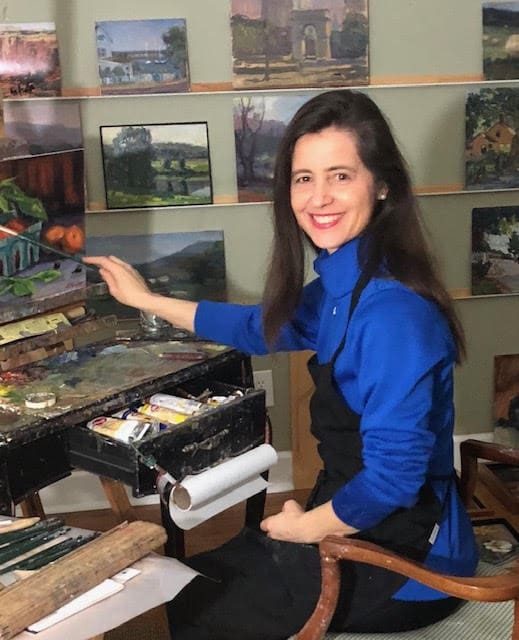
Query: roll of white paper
[204, 495]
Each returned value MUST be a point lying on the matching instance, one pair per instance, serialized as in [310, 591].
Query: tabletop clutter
[161, 411]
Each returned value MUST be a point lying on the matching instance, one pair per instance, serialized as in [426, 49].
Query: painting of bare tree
[259, 123]
[299, 43]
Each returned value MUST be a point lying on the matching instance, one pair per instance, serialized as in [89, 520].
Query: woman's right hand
[124, 282]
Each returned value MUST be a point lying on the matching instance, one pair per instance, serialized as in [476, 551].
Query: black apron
[407, 531]
[265, 589]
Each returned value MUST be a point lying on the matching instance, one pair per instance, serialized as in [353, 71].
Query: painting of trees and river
[159, 165]
[299, 43]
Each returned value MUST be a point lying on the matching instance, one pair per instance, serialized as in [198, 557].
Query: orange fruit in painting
[16, 225]
[73, 239]
[54, 235]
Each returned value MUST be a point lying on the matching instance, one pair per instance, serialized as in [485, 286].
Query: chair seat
[472, 621]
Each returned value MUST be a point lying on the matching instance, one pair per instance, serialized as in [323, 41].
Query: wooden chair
[483, 589]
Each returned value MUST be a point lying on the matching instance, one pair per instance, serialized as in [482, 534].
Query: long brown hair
[394, 238]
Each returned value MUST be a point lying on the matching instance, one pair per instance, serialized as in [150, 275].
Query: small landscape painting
[495, 250]
[259, 123]
[501, 40]
[497, 540]
[42, 207]
[188, 265]
[142, 56]
[29, 60]
[156, 165]
[38, 127]
[299, 43]
[506, 399]
[492, 143]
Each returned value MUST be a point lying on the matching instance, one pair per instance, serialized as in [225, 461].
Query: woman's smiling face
[332, 193]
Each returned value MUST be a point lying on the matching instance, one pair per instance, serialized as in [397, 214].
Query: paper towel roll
[202, 496]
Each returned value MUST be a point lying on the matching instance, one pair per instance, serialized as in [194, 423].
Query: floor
[152, 625]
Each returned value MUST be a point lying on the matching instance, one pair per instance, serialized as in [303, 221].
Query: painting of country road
[495, 250]
[299, 43]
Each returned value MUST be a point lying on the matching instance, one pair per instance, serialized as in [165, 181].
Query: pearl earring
[382, 196]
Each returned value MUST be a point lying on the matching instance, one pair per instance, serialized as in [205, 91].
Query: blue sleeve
[241, 326]
[402, 349]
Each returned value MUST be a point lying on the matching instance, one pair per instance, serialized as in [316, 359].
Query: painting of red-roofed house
[492, 141]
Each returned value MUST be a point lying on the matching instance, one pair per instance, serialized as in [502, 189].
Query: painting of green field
[156, 165]
[501, 40]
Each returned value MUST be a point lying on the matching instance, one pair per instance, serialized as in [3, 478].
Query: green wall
[429, 39]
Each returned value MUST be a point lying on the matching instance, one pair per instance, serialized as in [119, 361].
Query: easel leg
[32, 506]
[118, 499]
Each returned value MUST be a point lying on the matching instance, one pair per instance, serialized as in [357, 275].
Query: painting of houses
[39, 127]
[187, 265]
[142, 56]
[156, 165]
[29, 60]
[299, 43]
[259, 123]
[501, 40]
[495, 250]
[41, 197]
[492, 144]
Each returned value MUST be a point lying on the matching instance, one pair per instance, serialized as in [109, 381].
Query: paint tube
[180, 405]
[132, 414]
[162, 414]
[118, 429]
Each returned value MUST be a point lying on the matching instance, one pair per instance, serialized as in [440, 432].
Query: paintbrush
[47, 247]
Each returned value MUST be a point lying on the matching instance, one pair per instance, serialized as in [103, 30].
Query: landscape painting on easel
[38, 127]
[492, 141]
[156, 165]
[41, 198]
[188, 265]
[495, 250]
[259, 123]
[501, 40]
[142, 56]
[29, 60]
[299, 43]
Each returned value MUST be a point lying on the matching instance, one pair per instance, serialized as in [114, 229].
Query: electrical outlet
[263, 380]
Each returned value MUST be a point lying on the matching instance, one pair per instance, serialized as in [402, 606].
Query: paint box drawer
[200, 442]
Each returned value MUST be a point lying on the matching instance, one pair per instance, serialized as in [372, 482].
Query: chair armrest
[470, 451]
[335, 548]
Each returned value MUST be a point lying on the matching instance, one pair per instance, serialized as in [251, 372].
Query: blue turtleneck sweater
[396, 372]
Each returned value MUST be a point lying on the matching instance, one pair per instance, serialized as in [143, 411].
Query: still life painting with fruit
[42, 199]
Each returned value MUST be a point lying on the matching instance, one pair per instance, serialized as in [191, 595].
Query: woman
[386, 340]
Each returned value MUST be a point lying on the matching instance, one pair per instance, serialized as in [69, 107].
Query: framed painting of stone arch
[299, 43]
[156, 165]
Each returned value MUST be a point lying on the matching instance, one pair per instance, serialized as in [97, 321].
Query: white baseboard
[82, 491]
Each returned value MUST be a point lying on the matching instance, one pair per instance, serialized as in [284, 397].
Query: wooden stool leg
[32, 506]
[118, 499]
